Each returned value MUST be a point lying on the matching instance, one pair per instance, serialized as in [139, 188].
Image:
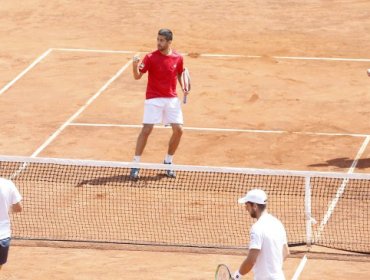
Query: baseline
[344, 59]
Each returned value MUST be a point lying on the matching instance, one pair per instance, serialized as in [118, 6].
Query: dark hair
[261, 207]
[166, 33]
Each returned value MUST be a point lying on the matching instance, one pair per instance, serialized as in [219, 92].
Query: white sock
[137, 158]
[168, 158]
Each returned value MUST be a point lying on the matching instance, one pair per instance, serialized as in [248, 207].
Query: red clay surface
[228, 93]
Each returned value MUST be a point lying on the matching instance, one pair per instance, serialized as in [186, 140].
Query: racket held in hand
[185, 82]
[223, 273]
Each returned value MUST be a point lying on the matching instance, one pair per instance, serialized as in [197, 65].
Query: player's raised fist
[136, 58]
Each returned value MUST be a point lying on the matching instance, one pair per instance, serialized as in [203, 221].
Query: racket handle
[185, 99]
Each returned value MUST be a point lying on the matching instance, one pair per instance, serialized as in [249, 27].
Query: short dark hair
[166, 33]
[261, 207]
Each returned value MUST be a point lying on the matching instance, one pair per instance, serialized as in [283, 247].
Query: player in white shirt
[10, 198]
[268, 246]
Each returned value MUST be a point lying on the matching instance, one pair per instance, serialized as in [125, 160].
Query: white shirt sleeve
[285, 239]
[283, 234]
[16, 196]
[255, 239]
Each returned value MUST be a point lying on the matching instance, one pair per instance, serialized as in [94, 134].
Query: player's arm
[286, 251]
[181, 70]
[16, 199]
[135, 68]
[17, 207]
[180, 82]
[179, 79]
[248, 263]
[255, 246]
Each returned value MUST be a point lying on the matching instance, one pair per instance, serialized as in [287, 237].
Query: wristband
[237, 275]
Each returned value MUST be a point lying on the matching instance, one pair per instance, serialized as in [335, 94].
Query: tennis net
[96, 201]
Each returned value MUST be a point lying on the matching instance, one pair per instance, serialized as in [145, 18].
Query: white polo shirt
[9, 195]
[269, 236]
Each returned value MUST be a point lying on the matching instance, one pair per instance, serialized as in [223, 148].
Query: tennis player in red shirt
[164, 67]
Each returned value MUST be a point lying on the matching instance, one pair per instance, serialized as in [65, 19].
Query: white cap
[255, 196]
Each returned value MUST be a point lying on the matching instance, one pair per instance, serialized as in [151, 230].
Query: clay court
[275, 85]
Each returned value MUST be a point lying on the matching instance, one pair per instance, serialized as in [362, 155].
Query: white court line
[323, 58]
[332, 205]
[289, 57]
[341, 189]
[75, 115]
[226, 55]
[92, 50]
[300, 268]
[229, 55]
[225, 129]
[33, 64]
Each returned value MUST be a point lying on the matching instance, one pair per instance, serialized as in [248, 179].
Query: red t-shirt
[163, 71]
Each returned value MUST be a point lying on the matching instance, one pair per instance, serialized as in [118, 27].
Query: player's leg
[153, 112]
[173, 116]
[177, 132]
[143, 139]
[172, 147]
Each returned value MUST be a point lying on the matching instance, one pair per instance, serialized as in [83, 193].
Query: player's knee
[177, 130]
[145, 133]
[146, 130]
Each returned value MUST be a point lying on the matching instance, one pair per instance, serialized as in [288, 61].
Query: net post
[307, 203]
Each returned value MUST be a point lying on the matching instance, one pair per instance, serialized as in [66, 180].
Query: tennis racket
[185, 82]
[223, 273]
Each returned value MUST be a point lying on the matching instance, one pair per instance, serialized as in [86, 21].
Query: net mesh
[98, 202]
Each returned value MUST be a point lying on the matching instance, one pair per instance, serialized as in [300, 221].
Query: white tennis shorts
[163, 110]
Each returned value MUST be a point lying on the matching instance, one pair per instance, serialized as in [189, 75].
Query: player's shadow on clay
[120, 180]
[344, 163]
